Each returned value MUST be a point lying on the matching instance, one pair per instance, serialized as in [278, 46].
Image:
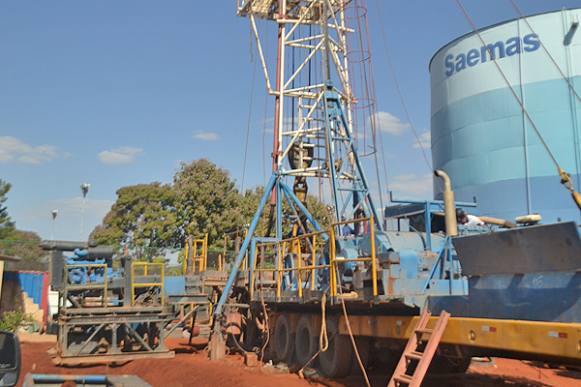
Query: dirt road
[190, 367]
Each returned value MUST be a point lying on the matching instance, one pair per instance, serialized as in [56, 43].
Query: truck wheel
[335, 362]
[450, 365]
[364, 349]
[306, 344]
[251, 335]
[284, 340]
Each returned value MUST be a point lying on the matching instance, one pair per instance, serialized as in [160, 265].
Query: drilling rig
[323, 295]
[303, 264]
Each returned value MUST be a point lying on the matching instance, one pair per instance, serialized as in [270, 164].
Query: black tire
[283, 340]
[364, 349]
[306, 340]
[251, 336]
[335, 362]
[450, 365]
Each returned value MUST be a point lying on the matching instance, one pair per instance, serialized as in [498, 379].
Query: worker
[346, 230]
[468, 220]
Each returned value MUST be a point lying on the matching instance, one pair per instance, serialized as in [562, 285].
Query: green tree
[26, 246]
[251, 200]
[203, 199]
[207, 201]
[6, 224]
[143, 217]
[22, 244]
[320, 211]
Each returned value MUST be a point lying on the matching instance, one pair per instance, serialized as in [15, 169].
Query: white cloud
[411, 186]
[122, 155]
[425, 141]
[389, 123]
[13, 150]
[206, 136]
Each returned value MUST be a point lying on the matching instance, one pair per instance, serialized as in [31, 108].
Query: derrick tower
[313, 121]
[309, 80]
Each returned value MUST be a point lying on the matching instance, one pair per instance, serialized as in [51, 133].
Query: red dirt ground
[190, 367]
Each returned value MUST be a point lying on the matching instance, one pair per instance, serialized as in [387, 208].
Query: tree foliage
[202, 199]
[26, 246]
[22, 244]
[143, 217]
[207, 200]
[6, 224]
[251, 200]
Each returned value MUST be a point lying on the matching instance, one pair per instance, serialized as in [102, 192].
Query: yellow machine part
[562, 340]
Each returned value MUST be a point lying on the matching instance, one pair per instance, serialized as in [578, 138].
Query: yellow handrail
[195, 259]
[372, 259]
[146, 266]
[294, 246]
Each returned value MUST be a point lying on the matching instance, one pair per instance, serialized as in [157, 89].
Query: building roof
[8, 258]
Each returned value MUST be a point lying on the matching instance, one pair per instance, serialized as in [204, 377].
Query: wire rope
[513, 92]
[249, 124]
[368, 82]
[396, 83]
[565, 78]
[566, 180]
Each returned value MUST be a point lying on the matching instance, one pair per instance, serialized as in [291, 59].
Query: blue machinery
[107, 312]
[408, 284]
[374, 265]
[385, 277]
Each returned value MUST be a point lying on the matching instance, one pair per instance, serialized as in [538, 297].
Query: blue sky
[120, 92]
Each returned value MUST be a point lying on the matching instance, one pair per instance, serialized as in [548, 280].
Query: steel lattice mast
[315, 139]
[312, 34]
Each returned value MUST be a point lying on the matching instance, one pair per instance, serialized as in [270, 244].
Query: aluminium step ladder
[419, 351]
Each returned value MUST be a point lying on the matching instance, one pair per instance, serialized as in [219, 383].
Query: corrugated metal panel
[29, 281]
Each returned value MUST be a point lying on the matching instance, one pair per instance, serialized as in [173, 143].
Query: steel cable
[399, 91]
[505, 78]
[249, 123]
[566, 180]
[565, 78]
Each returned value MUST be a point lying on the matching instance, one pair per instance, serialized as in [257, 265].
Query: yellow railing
[88, 285]
[333, 253]
[265, 265]
[147, 269]
[294, 246]
[195, 256]
[304, 250]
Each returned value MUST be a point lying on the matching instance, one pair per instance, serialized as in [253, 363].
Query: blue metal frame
[282, 191]
[238, 261]
[334, 119]
[334, 114]
[430, 206]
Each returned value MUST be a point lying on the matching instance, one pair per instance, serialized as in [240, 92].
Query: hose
[348, 324]
[234, 324]
[266, 323]
[323, 336]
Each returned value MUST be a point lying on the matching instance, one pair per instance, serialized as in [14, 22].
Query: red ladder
[414, 362]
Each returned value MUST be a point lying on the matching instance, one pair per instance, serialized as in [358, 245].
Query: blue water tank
[481, 136]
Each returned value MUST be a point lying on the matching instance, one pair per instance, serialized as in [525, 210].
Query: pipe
[498, 222]
[65, 245]
[449, 204]
[489, 220]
